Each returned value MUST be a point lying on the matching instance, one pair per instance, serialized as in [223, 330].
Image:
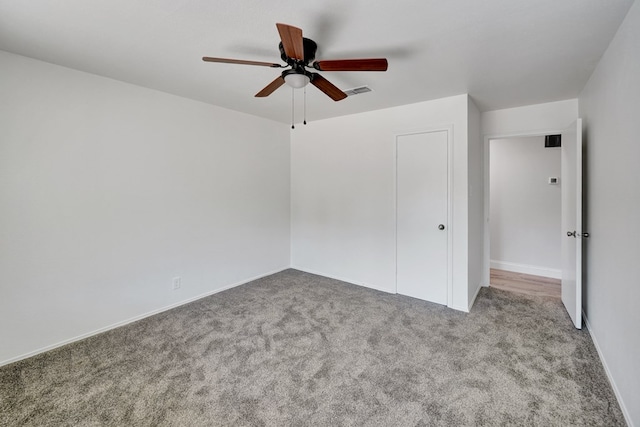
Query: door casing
[486, 181]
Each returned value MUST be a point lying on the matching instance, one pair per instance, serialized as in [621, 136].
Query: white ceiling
[504, 53]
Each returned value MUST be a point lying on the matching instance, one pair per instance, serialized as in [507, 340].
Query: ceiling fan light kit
[299, 53]
[296, 79]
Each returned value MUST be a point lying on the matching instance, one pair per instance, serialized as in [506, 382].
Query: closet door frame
[449, 131]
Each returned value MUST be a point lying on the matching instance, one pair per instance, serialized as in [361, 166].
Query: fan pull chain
[292, 109]
[304, 111]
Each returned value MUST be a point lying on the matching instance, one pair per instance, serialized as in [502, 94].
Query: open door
[572, 221]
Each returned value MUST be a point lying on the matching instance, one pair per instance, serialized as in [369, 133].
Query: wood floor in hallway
[525, 283]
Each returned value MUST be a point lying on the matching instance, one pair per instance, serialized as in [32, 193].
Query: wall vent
[552, 141]
[357, 90]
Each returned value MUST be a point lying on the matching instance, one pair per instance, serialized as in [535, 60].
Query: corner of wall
[475, 165]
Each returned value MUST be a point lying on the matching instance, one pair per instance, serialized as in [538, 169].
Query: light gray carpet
[299, 349]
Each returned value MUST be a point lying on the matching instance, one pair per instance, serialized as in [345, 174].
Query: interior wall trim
[534, 270]
[343, 279]
[624, 409]
[475, 296]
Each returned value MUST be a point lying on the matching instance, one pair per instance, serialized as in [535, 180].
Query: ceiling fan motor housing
[310, 48]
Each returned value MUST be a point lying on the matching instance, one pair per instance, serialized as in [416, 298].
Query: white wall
[343, 193]
[610, 107]
[476, 202]
[525, 210]
[538, 119]
[108, 190]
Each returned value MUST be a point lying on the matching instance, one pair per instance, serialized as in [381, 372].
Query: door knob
[576, 234]
[441, 227]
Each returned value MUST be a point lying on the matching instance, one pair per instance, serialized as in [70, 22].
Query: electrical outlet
[177, 283]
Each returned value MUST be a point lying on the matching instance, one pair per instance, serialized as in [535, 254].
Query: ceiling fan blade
[240, 61]
[373, 64]
[271, 87]
[327, 87]
[291, 41]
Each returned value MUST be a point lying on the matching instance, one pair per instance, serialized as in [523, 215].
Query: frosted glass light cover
[297, 80]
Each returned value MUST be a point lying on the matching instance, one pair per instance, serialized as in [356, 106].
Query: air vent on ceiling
[357, 90]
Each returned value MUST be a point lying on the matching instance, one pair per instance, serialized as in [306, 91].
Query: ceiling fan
[299, 54]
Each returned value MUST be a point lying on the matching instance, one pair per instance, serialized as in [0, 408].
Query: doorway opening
[525, 215]
[570, 182]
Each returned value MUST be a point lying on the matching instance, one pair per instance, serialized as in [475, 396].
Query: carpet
[299, 349]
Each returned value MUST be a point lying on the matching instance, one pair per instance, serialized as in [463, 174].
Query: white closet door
[422, 193]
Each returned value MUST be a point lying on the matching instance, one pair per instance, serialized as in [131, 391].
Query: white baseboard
[343, 279]
[624, 409]
[459, 308]
[527, 269]
[473, 300]
[132, 319]
[355, 282]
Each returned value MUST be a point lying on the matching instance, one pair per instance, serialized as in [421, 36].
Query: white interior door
[572, 221]
[422, 213]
